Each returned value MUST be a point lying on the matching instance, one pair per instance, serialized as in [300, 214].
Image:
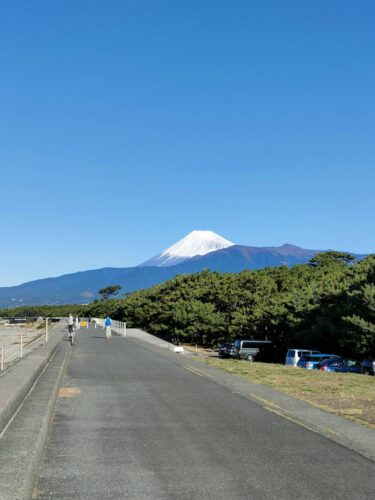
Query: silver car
[294, 355]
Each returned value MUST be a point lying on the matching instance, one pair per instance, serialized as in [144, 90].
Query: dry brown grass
[349, 395]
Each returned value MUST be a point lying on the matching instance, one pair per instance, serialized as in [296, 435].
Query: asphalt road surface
[132, 423]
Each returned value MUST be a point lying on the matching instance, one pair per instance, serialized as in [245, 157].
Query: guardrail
[118, 327]
[9, 353]
[21, 347]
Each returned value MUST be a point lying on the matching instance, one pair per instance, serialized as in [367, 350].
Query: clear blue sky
[126, 124]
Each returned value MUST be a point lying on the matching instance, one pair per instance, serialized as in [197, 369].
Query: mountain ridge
[82, 286]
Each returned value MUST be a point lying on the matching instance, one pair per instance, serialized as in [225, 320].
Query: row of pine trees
[328, 304]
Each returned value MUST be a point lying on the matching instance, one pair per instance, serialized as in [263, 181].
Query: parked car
[253, 349]
[311, 360]
[340, 365]
[226, 350]
[368, 366]
[294, 355]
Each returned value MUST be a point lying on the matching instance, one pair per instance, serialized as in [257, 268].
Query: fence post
[2, 359]
[21, 346]
[46, 329]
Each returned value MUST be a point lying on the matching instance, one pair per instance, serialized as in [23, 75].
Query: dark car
[226, 350]
[368, 366]
[340, 365]
[312, 360]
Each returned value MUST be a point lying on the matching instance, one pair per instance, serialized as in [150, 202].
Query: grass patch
[349, 395]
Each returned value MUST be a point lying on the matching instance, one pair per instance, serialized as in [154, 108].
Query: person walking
[108, 325]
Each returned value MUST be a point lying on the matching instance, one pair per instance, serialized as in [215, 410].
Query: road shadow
[98, 337]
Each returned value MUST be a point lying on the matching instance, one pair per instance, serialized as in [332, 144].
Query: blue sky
[126, 124]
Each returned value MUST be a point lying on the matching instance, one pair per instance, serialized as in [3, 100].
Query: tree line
[328, 304]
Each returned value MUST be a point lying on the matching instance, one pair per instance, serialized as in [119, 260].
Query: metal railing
[18, 349]
[118, 327]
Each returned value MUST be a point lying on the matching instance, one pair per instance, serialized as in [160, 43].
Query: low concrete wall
[22, 445]
[147, 337]
[16, 382]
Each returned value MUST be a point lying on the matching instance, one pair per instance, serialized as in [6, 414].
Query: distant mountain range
[197, 251]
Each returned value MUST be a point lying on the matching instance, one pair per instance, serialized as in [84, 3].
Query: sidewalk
[28, 390]
[18, 379]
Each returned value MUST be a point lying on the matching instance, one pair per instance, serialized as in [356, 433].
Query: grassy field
[349, 395]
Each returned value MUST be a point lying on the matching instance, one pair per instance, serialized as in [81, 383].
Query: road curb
[25, 438]
[16, 383]
[31, 475]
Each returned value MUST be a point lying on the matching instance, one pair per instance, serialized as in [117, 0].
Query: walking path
[136, 421]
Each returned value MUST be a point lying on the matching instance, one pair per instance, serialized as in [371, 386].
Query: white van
[293, 355]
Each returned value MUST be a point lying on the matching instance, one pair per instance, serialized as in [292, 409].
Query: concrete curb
[16, 382]
[31, 474]
[25, 438]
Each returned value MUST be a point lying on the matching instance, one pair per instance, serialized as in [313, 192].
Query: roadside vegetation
[43, 311]
[344, 394]
[328, 304]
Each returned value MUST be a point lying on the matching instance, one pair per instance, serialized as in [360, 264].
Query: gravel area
[10, 339]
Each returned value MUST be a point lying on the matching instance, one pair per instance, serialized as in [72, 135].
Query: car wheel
[249, 357]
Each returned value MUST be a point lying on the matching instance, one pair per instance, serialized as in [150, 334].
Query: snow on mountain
[195, 243]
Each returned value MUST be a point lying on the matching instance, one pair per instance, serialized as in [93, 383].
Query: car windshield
[311, 358]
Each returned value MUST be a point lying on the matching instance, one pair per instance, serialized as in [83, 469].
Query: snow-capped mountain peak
[195, 243]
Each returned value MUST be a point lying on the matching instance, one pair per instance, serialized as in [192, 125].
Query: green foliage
[331, 257]
[44, 311]
[359, 333]
[109, 291]
[328, 304]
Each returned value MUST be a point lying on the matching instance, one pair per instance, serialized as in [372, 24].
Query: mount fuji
[197, 251]
[194, 244]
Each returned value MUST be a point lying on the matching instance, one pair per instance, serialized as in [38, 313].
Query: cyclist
[71, 326]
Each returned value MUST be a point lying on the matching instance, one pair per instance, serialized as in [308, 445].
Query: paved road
[134, 424]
